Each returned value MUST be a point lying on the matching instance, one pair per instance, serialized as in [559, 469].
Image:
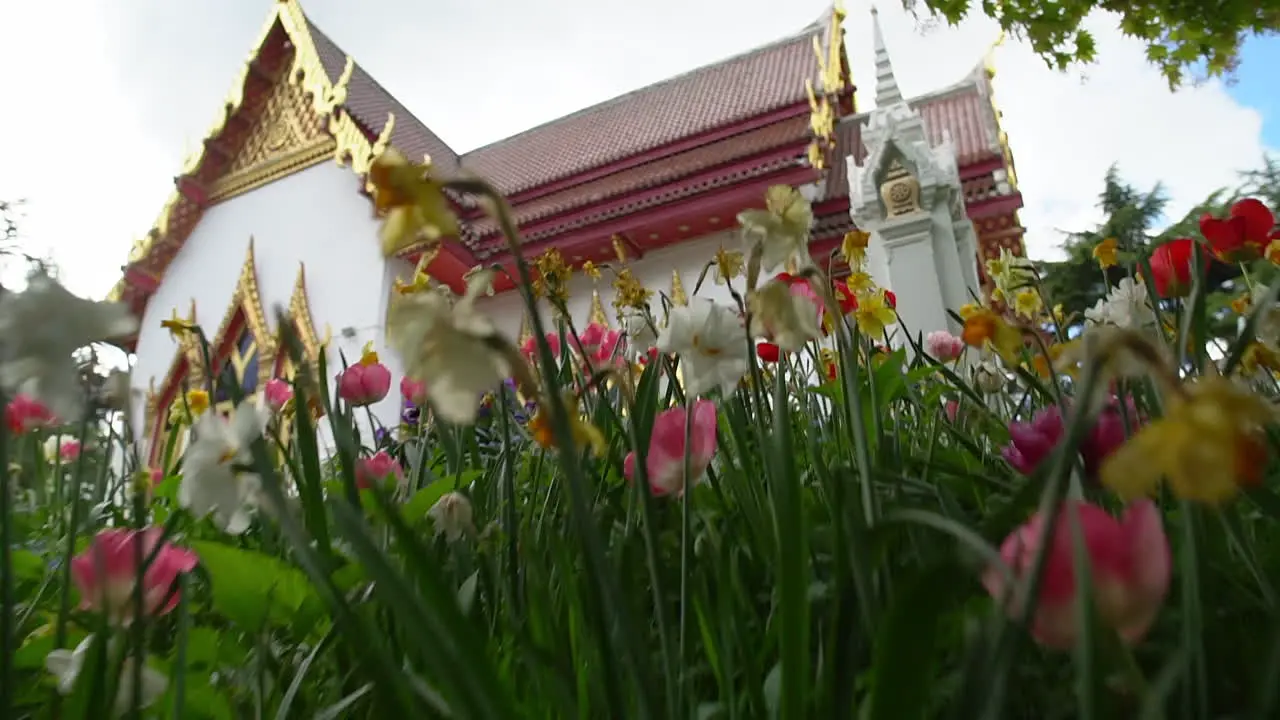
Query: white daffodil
[448, 345]
[781, 230]
[42, 326]
[785, 318]
[1125, 306]
[65, 665]
[639, 331]
[711, 344]
[213, 480]
[452, 515]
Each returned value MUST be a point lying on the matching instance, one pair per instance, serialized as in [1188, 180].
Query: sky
[107, 98]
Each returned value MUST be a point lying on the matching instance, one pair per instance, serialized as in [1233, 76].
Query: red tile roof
[705, 99]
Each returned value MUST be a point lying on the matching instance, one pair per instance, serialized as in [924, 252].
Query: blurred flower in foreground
[106, 573]
[450, 348]
[984, 329]
[1126, 305]
[451, 515]
[530, 347]
[277, 393]
[1031, 443]
[664, 463]
[1128, 560]
[42, 326]
[412, 203]
[1243, 235]
[709, 339]
[585, 435]
[788, 319]
[214, 477]
[1208, 444]
[65, 665]
[25, 413]
[781, 230]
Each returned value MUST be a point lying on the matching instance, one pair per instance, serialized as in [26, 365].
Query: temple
[273, 210]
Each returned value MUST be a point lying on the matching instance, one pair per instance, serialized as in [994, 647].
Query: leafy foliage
[1181, 37]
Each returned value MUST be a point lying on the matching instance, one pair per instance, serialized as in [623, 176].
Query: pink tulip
[26, 413]
[157, 476]
[413, 391]
[944, 346]
[69, 450]
[1130, 564]
[277, 392]
[606, 353]
[588, 342]
[378, 470]
[1030, 443]
[952, 409]
[665, 461]
[106, 572]
[530, 347]
[364, 383]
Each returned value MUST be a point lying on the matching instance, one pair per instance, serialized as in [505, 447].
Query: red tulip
[1242, 236]
[1171, 267]
[768, 352]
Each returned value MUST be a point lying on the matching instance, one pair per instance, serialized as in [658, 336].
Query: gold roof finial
[678, 296]
[598, 315]
[620, 248]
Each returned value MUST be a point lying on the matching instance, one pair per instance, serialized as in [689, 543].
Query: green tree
[1198, 38]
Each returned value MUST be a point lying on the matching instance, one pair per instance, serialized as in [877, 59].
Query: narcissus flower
[711, 344]
[412, 202]
[42, 327]
[1243, 235]
[452, 516]
[106, 573]
[728, 265]
[214, 479]
[664, 463]
[781, 230]
[854, 247]
[784, 316]
[943, 346]
[585, 435]
[875, 312]
[1208, 445]
[65, 665]
[1171, 267]
[1129, 564]
[1106, 253]
[450, 347]
[985, 329]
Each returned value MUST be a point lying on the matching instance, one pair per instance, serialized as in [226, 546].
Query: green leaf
[907, 646]
[27, 565]
[251, 588]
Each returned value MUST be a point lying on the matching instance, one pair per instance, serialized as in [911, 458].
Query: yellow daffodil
[628, 292]
[874, 314]
[1273, 252]
[781, 230]
[553, 276]
[728, 265]
[590, 270]
[968, 310]
[1027, 303]
[1208, 445]
[585, 435]
[367, 355]
[854, 247]
[1106, 253]
[987, 329]
[411, 202]
[859, 283]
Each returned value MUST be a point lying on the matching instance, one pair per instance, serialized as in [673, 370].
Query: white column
[913, 274]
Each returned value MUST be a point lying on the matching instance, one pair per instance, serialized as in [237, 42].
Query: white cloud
[102, 114]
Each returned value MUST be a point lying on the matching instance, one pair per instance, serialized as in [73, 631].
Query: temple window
[239, 363]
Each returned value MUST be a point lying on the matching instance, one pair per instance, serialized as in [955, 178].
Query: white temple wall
[316, 217]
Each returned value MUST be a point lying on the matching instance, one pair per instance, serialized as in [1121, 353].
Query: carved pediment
[287, 136]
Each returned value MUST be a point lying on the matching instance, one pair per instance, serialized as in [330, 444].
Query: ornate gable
[300, 317]
[244, 339]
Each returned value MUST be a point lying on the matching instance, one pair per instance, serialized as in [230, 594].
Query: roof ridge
[806, 32]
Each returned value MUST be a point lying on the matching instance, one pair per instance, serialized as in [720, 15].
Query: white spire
[887, 92]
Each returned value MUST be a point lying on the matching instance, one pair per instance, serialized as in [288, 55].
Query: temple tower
[908, 195]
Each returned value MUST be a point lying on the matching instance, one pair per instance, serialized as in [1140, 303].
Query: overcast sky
[104, 99]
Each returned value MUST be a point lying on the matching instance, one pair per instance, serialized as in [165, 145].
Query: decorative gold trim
[303, 322]
[248, 300]
[351, 147]
[272, 170]
[598, 315]
[678, 295]
[526, 330]
[188, 350]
